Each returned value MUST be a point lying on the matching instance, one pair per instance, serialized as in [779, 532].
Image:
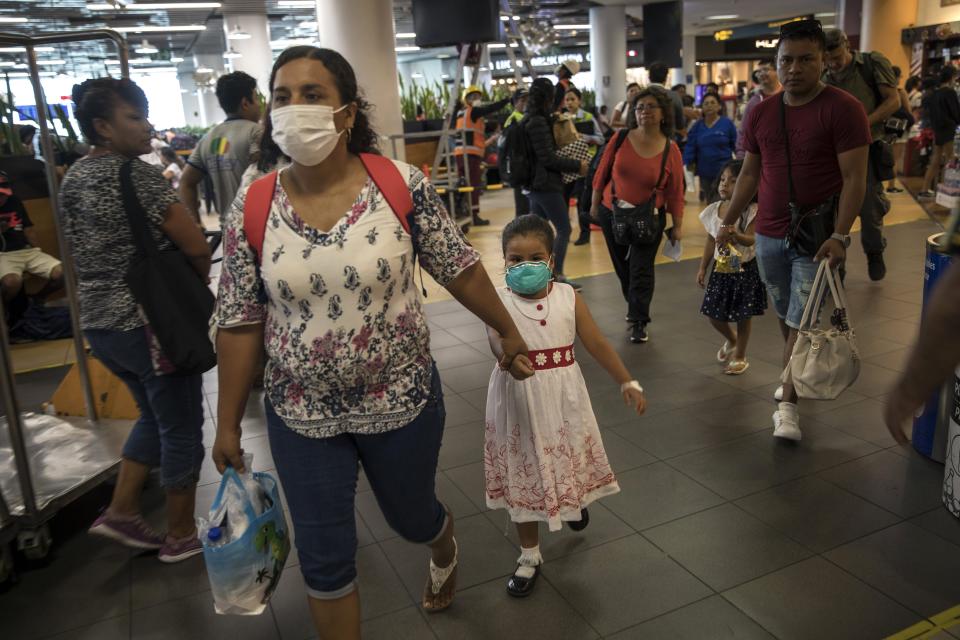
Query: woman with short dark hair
[631, 166]
[319, 274]
[112, 114]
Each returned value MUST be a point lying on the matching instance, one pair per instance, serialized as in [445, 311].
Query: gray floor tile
[474, 332]
[941, 522]
[478, 398]
[822, 447]
[737, 469]
[604, 527]
[484, 554]
[468, 377]
[462, 445]
[196, 618]
[459, 411]
[726, 546]
[86, 581]
[655, 494]
[406, 624]
[112, 629]
[486, 611]
[450, 495]
[623, 583]
[440, 338]
[862, 419]
[911, 565]
[874, 380]
[759, 374]
[624, 455]
[817, 514]
[905, 486]
[154, 582]
[896, 360]
[458, 356]
[454, 319]
[815, 599]
[713, 618]
[469, 479]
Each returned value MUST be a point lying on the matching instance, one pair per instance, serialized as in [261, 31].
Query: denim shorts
[319, 478]
[169, 432]
[788, 277]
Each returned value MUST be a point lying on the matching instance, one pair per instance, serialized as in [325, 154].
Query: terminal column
[209, 65]
[362, 32]
[256, 58]
[608, 54]
[880, 24]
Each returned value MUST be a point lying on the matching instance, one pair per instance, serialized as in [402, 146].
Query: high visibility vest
[475, 144]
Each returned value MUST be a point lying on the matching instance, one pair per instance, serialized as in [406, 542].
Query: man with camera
[807, 156]
[868, 76]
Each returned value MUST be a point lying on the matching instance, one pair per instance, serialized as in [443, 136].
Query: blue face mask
[528, 277]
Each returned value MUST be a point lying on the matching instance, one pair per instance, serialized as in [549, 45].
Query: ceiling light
[297, 4]
[154, 6]
[445, 76]
[24, 49]
[570, 27]
[140, 61]
[204, 70]
[6, 19]
[232, 55]
[632, 53]
[406, 49]
[291, 42]
[176, 59]
[8, 64]
[406, 36]
[496, 45]
[726, 16]
[112, 63]
[505, 18]
[516, 18]
[309, 24]
[51, 62]
[826, 14]
[146, 48]
[238, 34]
[443, 56]
[155, 29]
[416, 75]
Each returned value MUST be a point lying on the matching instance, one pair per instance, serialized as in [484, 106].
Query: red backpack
[393, 186]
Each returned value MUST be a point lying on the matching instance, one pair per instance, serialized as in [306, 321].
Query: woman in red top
[635, 156]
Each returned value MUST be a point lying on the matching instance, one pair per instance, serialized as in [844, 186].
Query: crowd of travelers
[317, 295]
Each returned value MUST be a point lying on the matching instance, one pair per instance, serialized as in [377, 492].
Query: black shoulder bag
[177, 303]
[640, 224]
[809, 228]
[881, 151]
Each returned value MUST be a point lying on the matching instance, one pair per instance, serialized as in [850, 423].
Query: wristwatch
[845, 239]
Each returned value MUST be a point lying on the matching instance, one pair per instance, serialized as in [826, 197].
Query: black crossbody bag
[810, 227]
[640, 224]
[176, 301]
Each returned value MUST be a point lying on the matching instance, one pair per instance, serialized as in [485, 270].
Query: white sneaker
[786, 422]
[778, 394]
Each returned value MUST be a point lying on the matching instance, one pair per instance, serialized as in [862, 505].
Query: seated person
[18, 251]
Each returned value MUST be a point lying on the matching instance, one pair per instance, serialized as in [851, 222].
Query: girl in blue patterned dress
[731, 297]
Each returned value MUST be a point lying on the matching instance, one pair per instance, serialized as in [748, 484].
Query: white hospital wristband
[633, 384]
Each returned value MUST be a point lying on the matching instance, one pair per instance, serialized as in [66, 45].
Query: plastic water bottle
[215, 537]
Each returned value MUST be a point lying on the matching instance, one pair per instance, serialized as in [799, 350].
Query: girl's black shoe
[582, 524]
[519, 587]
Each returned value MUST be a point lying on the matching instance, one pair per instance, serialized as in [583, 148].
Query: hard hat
[471, 89]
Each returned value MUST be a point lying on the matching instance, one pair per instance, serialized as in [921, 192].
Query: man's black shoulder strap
[868, 74]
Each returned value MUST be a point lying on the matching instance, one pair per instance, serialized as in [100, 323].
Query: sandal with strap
[736, 367]
[441, 578]
[725, 352]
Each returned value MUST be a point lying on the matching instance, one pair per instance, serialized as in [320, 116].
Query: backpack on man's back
[515, 155]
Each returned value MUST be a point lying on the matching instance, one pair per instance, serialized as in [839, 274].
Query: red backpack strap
[256, 210]
[391, 184]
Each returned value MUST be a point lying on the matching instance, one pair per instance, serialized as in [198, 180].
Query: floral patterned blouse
[348, 348]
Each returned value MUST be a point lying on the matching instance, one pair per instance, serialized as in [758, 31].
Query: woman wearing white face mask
[319, 272]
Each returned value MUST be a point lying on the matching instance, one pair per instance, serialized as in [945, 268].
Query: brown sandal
[440, 579]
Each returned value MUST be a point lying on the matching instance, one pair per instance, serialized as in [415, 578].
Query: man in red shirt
[828, 142]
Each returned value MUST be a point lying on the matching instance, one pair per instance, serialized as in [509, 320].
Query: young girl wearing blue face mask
[544, 460]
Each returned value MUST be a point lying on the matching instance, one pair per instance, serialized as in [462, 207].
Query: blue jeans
[319, 478]
[551, 205]
[788, 277]
[169, 432]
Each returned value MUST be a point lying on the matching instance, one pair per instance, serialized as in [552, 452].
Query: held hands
[725, 236]
[227, 451]
[834, 251]
[514, 357]
[635, 399]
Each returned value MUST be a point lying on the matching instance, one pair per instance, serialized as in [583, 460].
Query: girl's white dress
[543, 456]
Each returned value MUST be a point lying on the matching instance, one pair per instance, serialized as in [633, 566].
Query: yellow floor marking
[930, 628]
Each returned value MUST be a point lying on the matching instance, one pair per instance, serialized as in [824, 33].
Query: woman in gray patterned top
[113, 117]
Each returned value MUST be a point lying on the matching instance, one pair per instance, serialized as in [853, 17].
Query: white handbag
[824, 361]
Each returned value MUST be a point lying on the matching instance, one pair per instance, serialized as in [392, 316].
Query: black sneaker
[582, 240]
[639, 333]
[875, 266]
[480, 222]
[580, 525]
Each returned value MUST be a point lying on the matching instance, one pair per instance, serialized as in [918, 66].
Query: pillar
[190, 95]
[608, 54]
[362, 32]
[880, 24]
[256, 56]
[210, 111]
[689, 62]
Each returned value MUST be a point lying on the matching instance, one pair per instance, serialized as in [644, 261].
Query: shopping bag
[576, 150]
[246, 557]
[824, 361]
[565, 131]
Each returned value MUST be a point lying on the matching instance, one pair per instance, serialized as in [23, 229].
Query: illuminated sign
[769, 43]
[720, 36]
[763, 30]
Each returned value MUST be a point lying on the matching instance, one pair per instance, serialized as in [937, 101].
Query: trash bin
[951, 472]
[930, 428]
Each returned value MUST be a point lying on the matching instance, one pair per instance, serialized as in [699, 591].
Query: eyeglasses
[646, 106]
[809, 25]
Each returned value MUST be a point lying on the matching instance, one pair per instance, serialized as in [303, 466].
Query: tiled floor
[719, 531]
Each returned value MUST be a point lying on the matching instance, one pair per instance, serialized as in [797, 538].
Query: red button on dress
[539, 307]
[543, 323]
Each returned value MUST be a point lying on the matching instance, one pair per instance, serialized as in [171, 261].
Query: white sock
[788, 409]
[529, 560]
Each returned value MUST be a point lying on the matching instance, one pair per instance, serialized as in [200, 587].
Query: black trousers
[574, 190]
[521, 202]
[634, 266]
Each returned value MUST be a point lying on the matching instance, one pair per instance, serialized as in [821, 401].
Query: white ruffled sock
[529, 560]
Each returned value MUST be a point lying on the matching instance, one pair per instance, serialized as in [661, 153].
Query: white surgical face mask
[305, 132]
[476, 103]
